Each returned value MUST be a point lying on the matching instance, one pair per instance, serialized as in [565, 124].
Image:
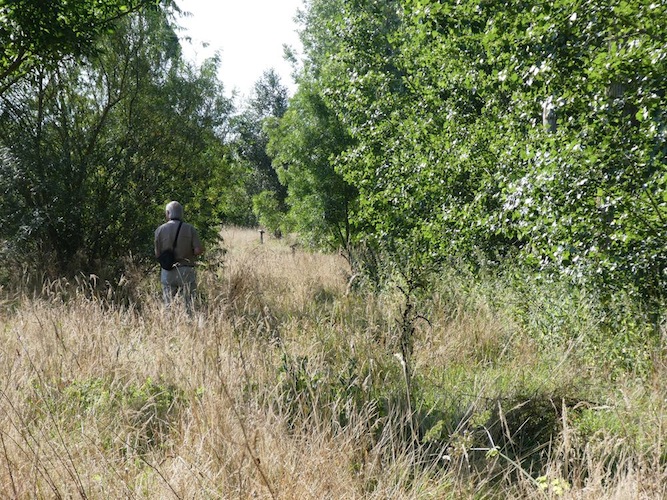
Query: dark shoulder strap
[180, 223]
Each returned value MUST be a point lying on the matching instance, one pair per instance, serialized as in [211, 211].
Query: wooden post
[261, 236]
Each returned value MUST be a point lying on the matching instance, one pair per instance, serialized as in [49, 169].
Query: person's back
[181, 277]
[186, 243]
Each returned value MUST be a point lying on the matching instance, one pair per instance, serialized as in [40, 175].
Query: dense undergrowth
[289, 383]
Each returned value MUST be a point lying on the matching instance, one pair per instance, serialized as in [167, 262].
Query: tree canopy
[481, 130]
[33, 33]
[94, 149]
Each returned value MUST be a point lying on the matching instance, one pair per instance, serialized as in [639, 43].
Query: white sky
[248, 34]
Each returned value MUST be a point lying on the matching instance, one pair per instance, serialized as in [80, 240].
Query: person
[181, 279]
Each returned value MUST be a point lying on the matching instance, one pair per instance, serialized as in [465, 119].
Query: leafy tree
[36, 34]
[266, 208]
[96, 150]
[268, 100]
[305, 144]
[588, 201]
[445, 102]
[352, 51]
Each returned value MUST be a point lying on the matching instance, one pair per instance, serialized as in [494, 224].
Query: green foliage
[614, 334]
[341, 391]
[304, 144]
[38, 33]
[95, 150]
[445, 103]
[266, 208]
[268, 101]
[135, 415]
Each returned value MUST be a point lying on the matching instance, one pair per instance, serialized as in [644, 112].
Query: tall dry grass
[287, 385]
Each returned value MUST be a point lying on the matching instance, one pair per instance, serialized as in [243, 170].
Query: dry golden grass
[271, 391]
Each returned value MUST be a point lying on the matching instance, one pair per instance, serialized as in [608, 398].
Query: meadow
[293, 382]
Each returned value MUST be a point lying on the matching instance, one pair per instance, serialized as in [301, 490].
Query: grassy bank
[289, 384]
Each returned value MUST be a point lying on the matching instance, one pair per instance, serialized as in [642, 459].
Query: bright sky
[248, 34]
